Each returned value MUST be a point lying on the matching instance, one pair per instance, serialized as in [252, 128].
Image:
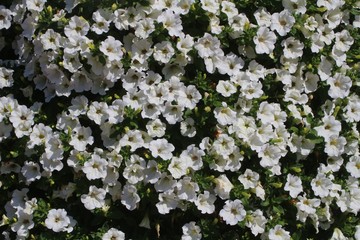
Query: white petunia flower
[330, 127]
[161, 148]
[133, 172]
[132, 138]
[191, 231]
[171, 22]
[94, 199]
[225, 88]
[173, 113]
[187, 128]
[210, 5]
[256, 222]
[165, 183]
[151, 172]
[156, 128]
[264, 41]
[224, 115]
[95, 167]
[23, 224]
[330, 4]
[31, 171]
[178, 167]
[282, 22]
[186, 189]
[293, 185]
[21, 116]
[35, 5]
[81, 137]
[339, 86]
[343, 40]
[167, 201]
[295, 6]
[205, 202]
[39, 135]
[58, 221]
[102, 20]
[334, 146]
[76, 27]
[113, 234]
[71, 62]
[353, 166]
[129, 197]
[223, 186]
[338, 235]
[191, 97]
[5, 17]
[144, 28]
[51, 40]
[224, 145]
[6, 77]
[293, 48]
[208, 46]
[111, 48]
[185, 43]
[321, 185]
[233, 212]
[163, 51]
[97, 112]
[278, 233]
[263, 17]
[249, 179]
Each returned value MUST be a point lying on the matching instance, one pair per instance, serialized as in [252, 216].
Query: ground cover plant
[186, 119]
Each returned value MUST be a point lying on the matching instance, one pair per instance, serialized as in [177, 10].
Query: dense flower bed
[186, 119]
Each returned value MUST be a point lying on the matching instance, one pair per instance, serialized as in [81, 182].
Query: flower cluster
[186, 119]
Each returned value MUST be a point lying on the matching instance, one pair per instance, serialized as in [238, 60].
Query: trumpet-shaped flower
[293, 48]
[81, 137]
[161, 148]
[334, 146]
[171, 22]
[129, 197]
[5, 17]
[339, 85]
[223, 186]
[77, 27]
[58, 221]
[191, 231]
[95, 167]
[35, 5]
[233, 212]
[264, 41]
[256, 222]
[293, 185]
[330, 127]
[167, 201]
[6, 77]
[208, 46]
[249, 179]
[111, 48]
[282, 22]
[113, 234]
[278, 233]
[353, 166]
[102, 20]
[205, 202]
[94, 199]
[23, 224]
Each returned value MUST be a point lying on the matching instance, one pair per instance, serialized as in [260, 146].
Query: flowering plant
[186, 119]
